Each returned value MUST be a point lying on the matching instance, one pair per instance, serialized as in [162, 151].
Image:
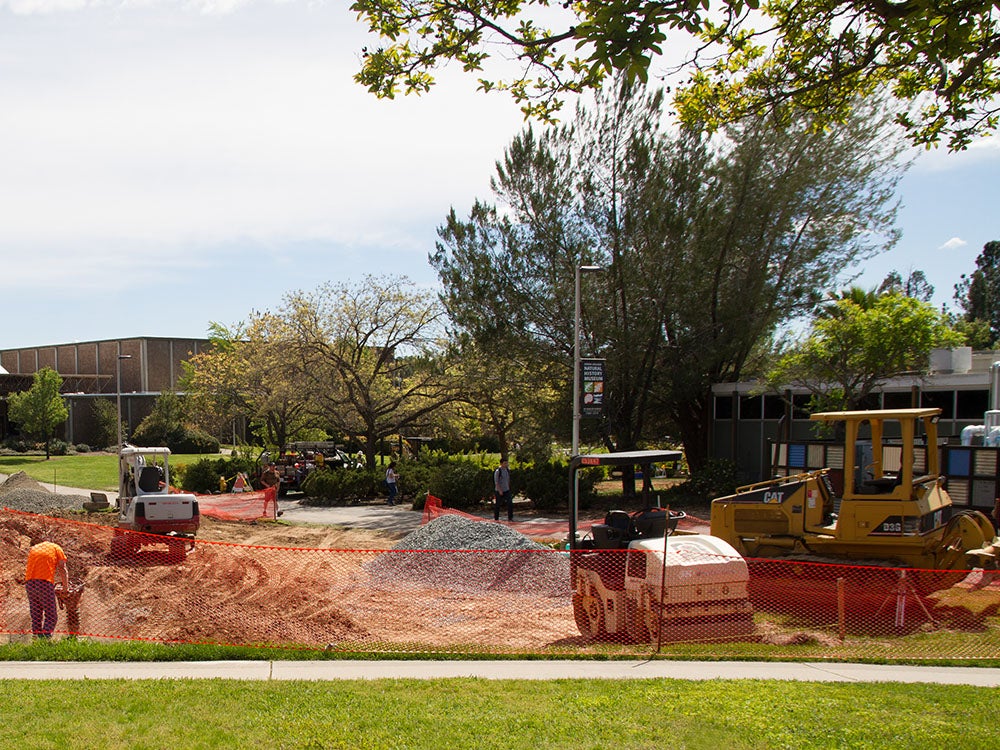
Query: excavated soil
[267, 583]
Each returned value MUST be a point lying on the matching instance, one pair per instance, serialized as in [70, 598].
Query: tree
[248, 373]
[509, 395]
[849, 353]
[373, 354]
[978, 294]
[105, 412]
[707, 245]
[816, 55]
[40, 409]
[915, 285]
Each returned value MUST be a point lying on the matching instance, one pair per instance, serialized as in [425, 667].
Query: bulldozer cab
[886, 452]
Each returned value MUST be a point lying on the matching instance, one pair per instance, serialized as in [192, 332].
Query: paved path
[500, 670]
[60, 490]
[392, 518]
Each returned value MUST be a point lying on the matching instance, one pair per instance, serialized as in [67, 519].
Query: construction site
[459, 584]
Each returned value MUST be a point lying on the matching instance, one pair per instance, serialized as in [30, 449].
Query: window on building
[751, 407]
[774, 407]
[871, 401]
[800, 405]
[897, 400]
[943, 400]
[971, 405]
[723, 407]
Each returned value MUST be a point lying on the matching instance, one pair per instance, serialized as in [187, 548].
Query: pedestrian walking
[501, 488]
[392, 483]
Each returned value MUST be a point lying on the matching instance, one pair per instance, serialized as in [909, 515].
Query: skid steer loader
[148, 512]
[635, 578]
[892, 508]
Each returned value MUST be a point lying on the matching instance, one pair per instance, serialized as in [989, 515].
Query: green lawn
[92, 471]
[476, 713]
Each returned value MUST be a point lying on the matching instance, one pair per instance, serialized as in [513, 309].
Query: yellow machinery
[893, 506]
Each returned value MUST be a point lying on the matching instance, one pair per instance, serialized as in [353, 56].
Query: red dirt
[297, 585]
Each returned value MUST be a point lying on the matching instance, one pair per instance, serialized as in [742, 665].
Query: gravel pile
[460, 554]
[21, 492]
[452, 531]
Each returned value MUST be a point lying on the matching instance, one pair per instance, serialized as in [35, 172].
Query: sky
[166, 164]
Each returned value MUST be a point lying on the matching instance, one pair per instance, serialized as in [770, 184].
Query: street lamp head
[590, 269]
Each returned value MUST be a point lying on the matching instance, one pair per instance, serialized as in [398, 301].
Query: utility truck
[148, 512]
[634, 577]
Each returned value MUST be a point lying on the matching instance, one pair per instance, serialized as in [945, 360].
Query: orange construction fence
[527, 600]
[241, 506]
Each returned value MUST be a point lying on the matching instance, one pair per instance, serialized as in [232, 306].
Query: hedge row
[463, 482]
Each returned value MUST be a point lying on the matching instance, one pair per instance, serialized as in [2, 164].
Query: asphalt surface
[392, 518]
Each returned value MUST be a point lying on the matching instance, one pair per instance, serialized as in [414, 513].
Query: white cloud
[953, 244]
[982, 151]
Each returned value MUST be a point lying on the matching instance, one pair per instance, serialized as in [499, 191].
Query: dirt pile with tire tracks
[286, 585]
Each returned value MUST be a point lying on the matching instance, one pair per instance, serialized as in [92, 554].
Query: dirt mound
[280, 592]
[20, 481]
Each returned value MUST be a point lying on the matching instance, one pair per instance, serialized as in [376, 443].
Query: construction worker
[269, 477]
[46, 560]
[270, 481]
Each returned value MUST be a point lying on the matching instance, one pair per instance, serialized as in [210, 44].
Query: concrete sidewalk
[500, 670]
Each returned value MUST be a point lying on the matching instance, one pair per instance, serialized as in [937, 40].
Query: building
[746, 422]
[145, 367]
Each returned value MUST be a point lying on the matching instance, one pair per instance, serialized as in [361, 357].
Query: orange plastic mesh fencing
[527, 600]
[241, 506]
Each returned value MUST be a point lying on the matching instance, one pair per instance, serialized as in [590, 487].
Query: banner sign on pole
[592, 387]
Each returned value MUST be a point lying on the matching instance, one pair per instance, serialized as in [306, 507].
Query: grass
[916, 650]
[475, 713]
[92, 471]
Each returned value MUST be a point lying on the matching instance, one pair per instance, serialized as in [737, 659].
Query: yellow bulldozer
[891, 508]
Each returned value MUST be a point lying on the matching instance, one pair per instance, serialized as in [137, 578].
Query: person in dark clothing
[501, 487]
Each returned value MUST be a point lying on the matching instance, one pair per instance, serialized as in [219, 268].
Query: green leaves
[40, 409]
[937, 57]
[856, 344]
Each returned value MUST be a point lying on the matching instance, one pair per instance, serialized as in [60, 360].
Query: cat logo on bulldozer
[773, 497]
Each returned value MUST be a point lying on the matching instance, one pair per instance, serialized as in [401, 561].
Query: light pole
[580, 270]
[119, 394]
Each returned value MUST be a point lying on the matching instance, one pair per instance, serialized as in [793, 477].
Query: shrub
[82, 448]
[327, 487]
[546, 484]
[462, 484]
[177, 438]
[194, 441]
[716, 479]
[106, 424]
[58, 447]
[19, 445]
[203, 476]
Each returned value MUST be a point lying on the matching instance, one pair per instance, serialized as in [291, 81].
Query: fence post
[841, 609]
